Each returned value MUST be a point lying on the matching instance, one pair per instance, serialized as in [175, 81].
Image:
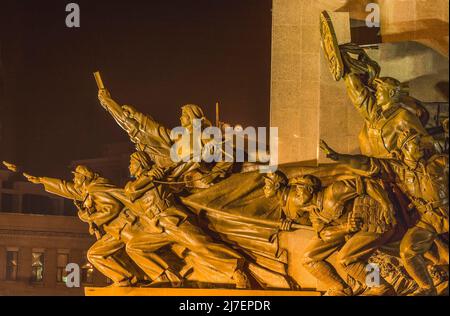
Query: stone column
[306, 103]
[295, 80]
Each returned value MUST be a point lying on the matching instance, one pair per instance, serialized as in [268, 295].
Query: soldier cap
[276, 177]
[307, 180]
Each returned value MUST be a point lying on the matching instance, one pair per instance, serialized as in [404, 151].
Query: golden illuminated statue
[397, 152]
[276, 184]
[173, 225]
[347, 220]
[157, 141]
[379, 100]
[425, 183]
[102, 206]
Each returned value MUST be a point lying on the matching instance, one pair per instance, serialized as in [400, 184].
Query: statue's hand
[354, 224]
[156, 173]
[10, 166]
[32, 179]
[129, 111]
[329, 152]
[286, 224]
[103, 96]
[352, 48]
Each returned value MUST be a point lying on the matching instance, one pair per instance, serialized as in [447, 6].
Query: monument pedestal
[130, 291]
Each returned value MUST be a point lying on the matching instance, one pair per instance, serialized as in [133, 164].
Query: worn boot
[357, 271]
[324, 272]
[417, 269]
[241, 279]
[169, 277]
[339, 292]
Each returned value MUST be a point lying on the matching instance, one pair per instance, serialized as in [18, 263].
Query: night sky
[156, 55]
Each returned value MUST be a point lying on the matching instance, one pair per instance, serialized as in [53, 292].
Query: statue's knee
[129, 247]
[92, 255]
[307, 260]
[342, 259]
[407, 251]
[133, 249]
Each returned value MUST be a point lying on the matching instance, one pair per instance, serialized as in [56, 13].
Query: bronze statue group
[220, 222]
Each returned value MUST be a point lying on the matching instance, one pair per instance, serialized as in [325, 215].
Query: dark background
[156, 55]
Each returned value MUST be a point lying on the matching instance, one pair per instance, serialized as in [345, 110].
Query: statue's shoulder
[101, 185]
[402, 114]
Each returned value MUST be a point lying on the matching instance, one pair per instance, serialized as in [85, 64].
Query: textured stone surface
[298, 86]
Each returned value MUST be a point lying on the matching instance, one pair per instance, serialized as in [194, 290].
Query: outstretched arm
[359, 164]
[57, 186]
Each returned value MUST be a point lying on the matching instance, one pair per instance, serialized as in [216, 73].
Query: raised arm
[118, 113]
[360, 95]
[359, 75]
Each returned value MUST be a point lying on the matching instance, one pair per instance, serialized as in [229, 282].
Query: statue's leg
[101, 256]
[314, 262]
[353, 259]
[142, 247]
[416, 242]
[218, 256]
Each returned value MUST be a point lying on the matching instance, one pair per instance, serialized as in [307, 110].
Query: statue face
[134, 167]
[270, 190]
[78, 180]
[384, 95]
[185, 120]
[413, 151]
[303, 195]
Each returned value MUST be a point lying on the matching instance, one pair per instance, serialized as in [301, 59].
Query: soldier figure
[173, 225]
[385, 116]
[156, 140]
[425, 183]
[102, 206]
[346, 218]
[277, 185]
